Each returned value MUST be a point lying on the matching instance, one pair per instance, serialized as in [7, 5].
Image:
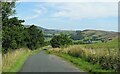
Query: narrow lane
[43, 62]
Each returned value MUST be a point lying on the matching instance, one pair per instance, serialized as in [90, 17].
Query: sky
[70, 15]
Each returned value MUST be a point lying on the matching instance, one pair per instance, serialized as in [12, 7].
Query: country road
[43, 62]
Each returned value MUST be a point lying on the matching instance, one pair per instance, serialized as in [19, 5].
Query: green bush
[77, 42]
[13, 44]
[60, 40]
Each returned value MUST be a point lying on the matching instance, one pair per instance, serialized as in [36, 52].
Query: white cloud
[36, 13]
[84, 10]
[77, 10]
[60, 13]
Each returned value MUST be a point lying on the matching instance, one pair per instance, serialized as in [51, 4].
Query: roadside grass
[19, 62]
[81, 63]
[13, 61]
[100, 59]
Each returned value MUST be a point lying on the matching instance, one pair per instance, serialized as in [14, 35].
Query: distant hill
[101, 33]
[88, 32]
[53, 31]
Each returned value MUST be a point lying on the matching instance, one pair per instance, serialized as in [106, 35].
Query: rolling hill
[101, 33]
[53, 31]
[87, 33]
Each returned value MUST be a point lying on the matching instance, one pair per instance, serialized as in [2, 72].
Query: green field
[113, 44]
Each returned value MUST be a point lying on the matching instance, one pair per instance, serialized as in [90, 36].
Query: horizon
[70, 16]
[74, 29]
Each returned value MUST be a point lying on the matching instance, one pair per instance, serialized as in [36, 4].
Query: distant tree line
[14, 34]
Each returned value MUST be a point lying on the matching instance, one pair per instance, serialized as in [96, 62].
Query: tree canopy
[14, 33]
[60, 40]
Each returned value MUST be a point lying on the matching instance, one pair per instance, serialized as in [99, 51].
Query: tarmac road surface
[43, 62]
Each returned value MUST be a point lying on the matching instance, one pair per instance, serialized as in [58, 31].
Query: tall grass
[106, 58]
[12, 61]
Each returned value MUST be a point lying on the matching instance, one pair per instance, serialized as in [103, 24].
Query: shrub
[107, 60]
[60, 40]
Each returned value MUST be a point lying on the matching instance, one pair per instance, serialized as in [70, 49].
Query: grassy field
[13, 61]
[113, 44]
[103, 55]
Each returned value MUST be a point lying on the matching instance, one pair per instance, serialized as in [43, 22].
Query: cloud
[60, 13]
[75, 10]
[84, 10]
[36, 13]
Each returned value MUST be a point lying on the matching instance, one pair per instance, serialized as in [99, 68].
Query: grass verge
[13, 61]
[81, 64]
[19, 62]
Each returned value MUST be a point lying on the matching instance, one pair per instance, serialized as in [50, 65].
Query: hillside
[100, 33]
[87, 33]
[53, 31]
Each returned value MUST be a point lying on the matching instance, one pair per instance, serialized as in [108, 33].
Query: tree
[87, 40]
[55, 41]
[34, 38]
[12, 28]
[8, 10]
[77, 36]
[14, 34]
[94, 37]
[60, 40]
